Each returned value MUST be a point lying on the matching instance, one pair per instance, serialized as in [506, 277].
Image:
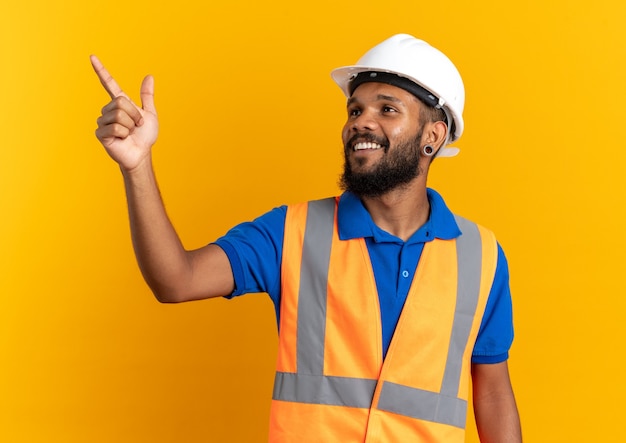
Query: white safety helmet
[427, 67]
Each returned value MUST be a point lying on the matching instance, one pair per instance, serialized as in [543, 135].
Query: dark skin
[392, 113]
[174, 274]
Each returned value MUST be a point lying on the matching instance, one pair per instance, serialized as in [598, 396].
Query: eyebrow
[390, 98]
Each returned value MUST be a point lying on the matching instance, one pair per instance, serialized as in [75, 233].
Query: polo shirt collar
[355, 222]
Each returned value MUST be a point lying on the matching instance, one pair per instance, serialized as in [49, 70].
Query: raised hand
[126, 130]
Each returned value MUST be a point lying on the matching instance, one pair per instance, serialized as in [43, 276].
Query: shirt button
[405, 274]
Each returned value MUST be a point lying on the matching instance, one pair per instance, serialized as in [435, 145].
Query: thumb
[147, 94]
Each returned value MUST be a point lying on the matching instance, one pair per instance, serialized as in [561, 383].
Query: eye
[354, 112]
[387, 109]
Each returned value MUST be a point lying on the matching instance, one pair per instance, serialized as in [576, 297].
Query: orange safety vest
[332, 384]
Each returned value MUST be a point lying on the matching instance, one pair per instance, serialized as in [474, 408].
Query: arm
[496, 413]
[128, 133]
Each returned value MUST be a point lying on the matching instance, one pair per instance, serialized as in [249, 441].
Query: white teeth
[366, 145]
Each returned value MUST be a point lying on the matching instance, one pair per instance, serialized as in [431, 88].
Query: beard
[397, 167]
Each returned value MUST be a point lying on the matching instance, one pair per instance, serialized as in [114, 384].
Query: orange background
[250, 119]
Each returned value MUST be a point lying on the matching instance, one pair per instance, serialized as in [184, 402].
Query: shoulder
[266, 228]
[327, 201]
[467, 227]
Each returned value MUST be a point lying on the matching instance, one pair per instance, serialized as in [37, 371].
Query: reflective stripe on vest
[310, 385]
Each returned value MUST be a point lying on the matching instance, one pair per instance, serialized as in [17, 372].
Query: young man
[387, 302]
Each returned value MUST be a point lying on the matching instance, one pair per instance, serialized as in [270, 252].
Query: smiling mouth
[364, 146]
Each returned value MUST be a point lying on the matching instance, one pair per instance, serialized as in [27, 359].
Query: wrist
[143, 167]
[140, 180]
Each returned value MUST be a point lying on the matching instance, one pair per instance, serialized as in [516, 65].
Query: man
[386, 301]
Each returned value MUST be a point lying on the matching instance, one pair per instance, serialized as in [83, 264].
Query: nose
[365, 121]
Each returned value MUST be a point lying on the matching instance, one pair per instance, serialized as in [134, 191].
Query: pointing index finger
[106, 79]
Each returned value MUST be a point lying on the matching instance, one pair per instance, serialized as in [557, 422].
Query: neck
[401, 212]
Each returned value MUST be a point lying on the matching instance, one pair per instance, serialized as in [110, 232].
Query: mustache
[367, 137]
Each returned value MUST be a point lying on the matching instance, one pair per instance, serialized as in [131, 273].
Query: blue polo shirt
[255, 253]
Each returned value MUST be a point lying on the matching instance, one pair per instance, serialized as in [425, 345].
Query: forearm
[497, 418]
[163, 261]
[128, 133]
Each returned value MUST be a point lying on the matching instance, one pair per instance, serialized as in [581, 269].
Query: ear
[434, 134]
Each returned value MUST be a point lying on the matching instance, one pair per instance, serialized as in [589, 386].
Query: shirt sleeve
[495, 335]
[254, 250]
